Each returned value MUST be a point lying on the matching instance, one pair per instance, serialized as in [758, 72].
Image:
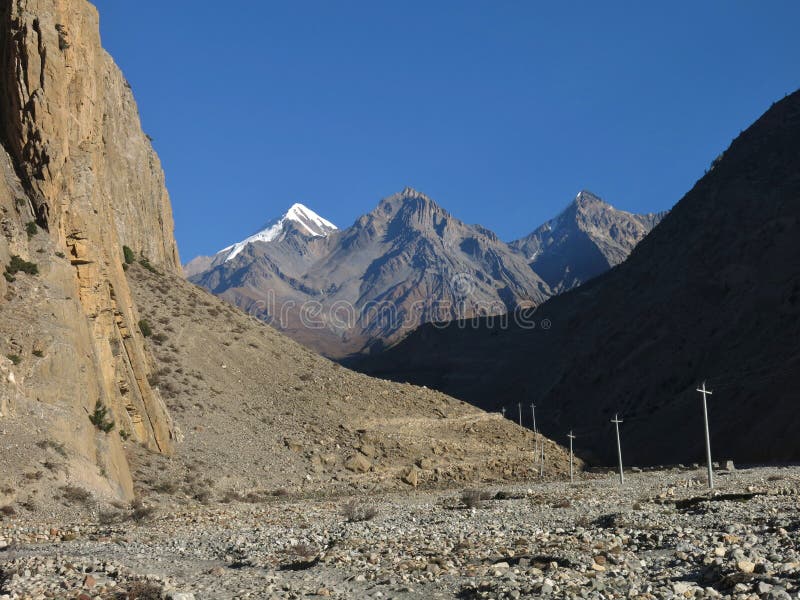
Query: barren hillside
[256, 412]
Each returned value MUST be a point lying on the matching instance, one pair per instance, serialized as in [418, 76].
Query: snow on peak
[305, 219]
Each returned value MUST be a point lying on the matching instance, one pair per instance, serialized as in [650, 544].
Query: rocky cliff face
[588, 238]
[80, 181]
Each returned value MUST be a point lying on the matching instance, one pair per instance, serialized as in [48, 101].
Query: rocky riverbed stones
[607, 541]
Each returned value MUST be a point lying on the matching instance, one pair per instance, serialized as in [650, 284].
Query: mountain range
[712, 293]
[408, 262]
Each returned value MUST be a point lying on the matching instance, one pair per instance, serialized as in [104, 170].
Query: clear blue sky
[501, 111]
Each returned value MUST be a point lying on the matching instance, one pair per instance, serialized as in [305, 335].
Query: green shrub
[99, 418]
[144, 327]
[129, 255]
[146, 264]
[31, 228]
[18, 265]
[38, 353]
[14, 358]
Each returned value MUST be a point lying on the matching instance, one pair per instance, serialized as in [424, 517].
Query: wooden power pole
[571, 470]
[616, 420]
[706, 392]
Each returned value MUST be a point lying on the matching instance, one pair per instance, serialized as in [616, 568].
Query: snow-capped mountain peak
[302, 217]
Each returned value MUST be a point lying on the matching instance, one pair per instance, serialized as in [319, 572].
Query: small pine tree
[144, 327]
[99, 418]
[129, 255]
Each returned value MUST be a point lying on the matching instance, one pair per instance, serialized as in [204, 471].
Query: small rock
[410, 476]
[763, 587]
[746, 566]
[358, 463]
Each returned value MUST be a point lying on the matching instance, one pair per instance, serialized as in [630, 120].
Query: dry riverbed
[661, 535]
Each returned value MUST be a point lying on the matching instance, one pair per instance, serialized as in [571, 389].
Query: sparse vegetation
[51, 465]
[18, 265]
[166, 487]
[144, 327]
[130, 257]
[356, 511]
[144, 590]
[7, 511]
[14, 358]
[31, 228]
[100, 419]
[75, 495]
[108, 517]
[57, 447]
[38, 353]
[146, 264]
[141, 513]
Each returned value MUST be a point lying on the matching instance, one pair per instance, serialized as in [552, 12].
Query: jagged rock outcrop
[588, 238]
[80, 180]
[405, 263]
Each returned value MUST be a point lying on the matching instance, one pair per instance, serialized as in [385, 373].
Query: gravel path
[659, 536]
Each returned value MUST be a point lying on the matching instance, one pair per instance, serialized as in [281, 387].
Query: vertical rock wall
[76, 162]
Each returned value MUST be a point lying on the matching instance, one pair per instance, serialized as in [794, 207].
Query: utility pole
[616, 420]
[519, 410]
[706, 392]
[571, 471]
[503, 412]
[535, 432]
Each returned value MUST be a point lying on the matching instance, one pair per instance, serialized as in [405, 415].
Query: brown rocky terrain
[713, 293]
[661, 535]
[257, 412]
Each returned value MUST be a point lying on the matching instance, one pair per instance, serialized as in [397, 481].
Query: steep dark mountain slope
[712, 293]
[588, 238]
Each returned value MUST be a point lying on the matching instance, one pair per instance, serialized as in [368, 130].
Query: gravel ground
[661, 535]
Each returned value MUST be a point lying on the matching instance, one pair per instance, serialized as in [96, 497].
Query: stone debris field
[661, 535]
